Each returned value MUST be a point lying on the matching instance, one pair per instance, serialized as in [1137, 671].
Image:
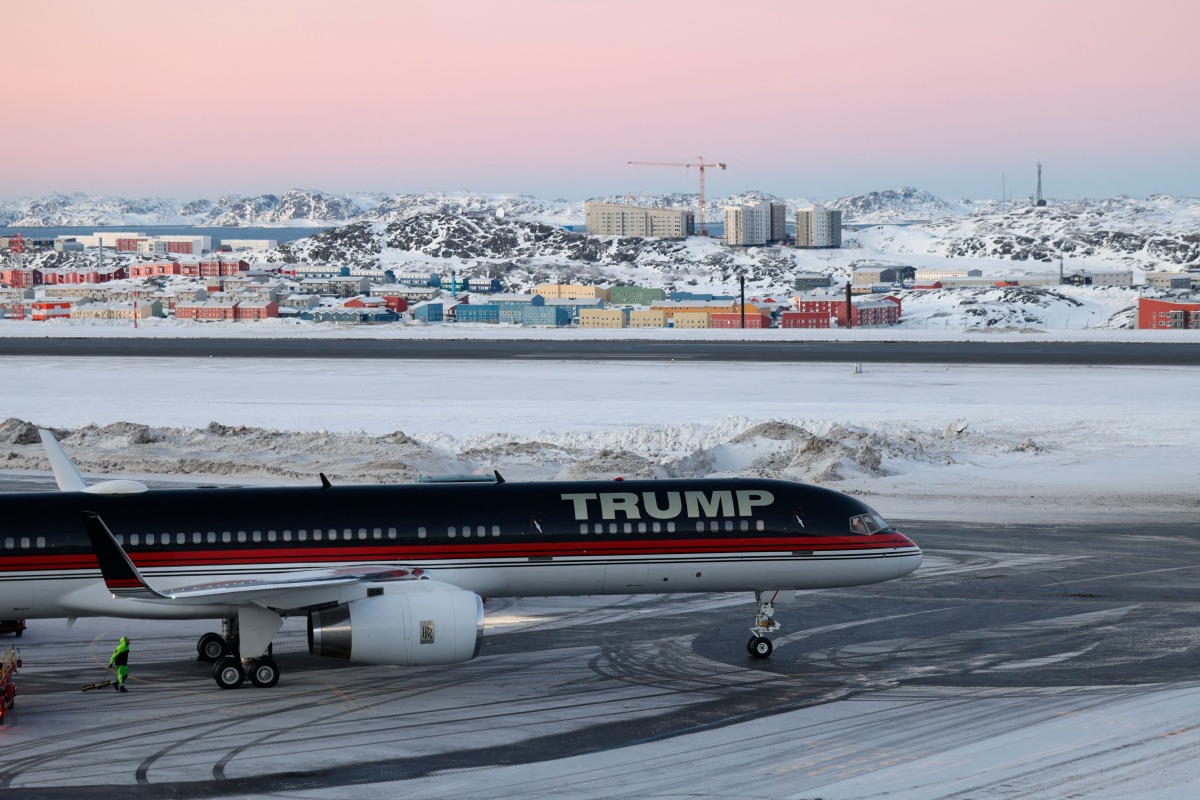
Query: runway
[896, 352]
[1020, 660]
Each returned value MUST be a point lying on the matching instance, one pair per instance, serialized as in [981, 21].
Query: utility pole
[743, 282]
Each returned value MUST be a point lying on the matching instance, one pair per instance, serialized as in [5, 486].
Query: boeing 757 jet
[396, 574]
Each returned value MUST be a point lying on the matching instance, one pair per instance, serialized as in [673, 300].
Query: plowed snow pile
[952, 471]
[774, 449]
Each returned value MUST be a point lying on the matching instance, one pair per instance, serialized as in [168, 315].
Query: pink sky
[140, 97]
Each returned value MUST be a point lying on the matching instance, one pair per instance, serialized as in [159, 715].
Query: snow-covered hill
[1148, 234]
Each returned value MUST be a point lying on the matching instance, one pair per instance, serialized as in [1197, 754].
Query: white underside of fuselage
[77, 593]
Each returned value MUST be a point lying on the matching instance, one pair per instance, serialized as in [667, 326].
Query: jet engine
[412, 624]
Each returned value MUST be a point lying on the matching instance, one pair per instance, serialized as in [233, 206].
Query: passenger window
[241, 536]
[467, 531]
[481, 530]
[612, 527]
[133, 540]
[670, 527]
[599, 527]
[629, 527]
[715, 526]
[8, 543]
[256, 536]
[316, 534]
[362, 533]
[347, 534]
[656, 527]
[392, 533]
[287, 536]
[197, 537]
[583, 529]
[745, 525]
[302, 535]
[420, 532]
[452, 531]
[728, 524]
[24, 542]
[41, 543]
[181, 538]
[377, 533]
[495, 530]
[641, 527]
[212, 537]
[759, 525]
[270, 536]
[700, 526]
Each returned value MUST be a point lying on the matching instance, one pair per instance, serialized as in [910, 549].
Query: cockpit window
[867, 524]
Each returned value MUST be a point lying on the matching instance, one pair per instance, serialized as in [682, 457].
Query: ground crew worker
[120, 660]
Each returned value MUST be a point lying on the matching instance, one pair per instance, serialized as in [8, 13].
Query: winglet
[120, 575]
[66, 475]
[325, 484]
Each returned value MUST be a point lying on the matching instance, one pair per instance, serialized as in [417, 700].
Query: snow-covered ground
[1034, 442]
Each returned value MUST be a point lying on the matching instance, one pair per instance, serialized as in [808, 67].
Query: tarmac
[1072, 640]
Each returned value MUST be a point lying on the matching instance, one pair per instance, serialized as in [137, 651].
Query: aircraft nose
[912, 557]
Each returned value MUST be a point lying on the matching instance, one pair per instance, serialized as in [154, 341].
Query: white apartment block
[818, 227]
[250, 244]
[937, 273]
[615, 219]
[748, 226]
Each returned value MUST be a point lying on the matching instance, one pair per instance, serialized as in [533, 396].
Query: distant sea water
[218, 234]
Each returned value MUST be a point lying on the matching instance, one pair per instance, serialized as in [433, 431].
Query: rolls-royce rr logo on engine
[426, 631]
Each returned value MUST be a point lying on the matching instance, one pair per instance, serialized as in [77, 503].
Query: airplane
[396, 574]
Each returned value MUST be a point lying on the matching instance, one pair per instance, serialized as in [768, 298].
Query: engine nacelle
[413, 624]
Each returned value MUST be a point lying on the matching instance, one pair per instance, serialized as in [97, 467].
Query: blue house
[557, 316]
[486, 312]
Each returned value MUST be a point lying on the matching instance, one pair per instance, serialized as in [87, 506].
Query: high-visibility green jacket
[120, 656]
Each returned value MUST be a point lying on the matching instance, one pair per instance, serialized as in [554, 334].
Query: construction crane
[702, 165]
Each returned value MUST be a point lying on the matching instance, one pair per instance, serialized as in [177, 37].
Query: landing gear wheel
[759, 646]
[211, 647]
[263, 673]
[228, 673]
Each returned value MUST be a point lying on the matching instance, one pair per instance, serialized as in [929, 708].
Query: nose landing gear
[759, 645]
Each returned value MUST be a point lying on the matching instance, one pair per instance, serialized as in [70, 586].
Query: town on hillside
[188, 280]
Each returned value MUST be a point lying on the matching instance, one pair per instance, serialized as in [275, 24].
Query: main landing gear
[759, 645]
[230, 670]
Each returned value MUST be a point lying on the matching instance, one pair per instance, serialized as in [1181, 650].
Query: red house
[735, 320]
[1167, 314]
[51, 309]
[804, 319]
[257, 310]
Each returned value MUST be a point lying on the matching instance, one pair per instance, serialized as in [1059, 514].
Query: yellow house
[603, 318]
[571, 291]
[691, 319]
[648, 318]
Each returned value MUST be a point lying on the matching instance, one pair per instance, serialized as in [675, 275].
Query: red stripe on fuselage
[584, 546]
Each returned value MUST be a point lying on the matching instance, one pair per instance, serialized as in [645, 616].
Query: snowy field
[917, 440]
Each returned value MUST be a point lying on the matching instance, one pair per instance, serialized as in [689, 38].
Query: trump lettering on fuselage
[667, 505]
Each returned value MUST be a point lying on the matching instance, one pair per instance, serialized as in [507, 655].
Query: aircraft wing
[124, 579]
